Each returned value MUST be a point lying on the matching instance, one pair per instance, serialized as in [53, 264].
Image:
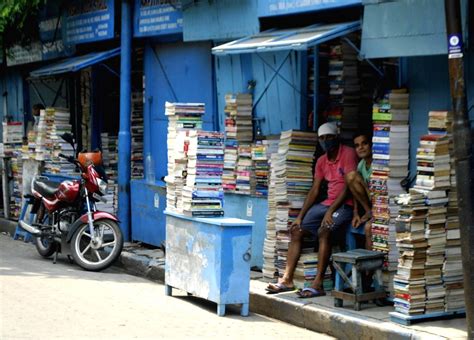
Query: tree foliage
[18, 22]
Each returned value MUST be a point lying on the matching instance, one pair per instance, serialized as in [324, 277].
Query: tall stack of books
[390, 167]
[12, 148]
[137, 136]
[409, 282]
[440, 123]
[307, 269]
[41, 148]
[351, 94]
[261, 153]
[110, 162]
[336, 84]
[433, 179]
[238, 130]
[58, 124]
[182, 117]
[269, 270]
[245, 172]
[203, 195]
[294, 178]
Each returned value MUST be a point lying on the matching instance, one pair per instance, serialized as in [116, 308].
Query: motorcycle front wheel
[96, 256]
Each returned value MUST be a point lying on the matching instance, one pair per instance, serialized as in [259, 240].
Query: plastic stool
[361, 260]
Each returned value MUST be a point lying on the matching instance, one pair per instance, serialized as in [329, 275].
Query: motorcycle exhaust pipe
[32, 230]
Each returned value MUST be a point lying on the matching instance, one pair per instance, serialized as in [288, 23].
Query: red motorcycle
[66, 219]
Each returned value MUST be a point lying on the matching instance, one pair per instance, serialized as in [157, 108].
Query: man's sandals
[310, 292]
[278, 288]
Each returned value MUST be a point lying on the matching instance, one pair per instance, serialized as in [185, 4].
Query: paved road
[40, 300]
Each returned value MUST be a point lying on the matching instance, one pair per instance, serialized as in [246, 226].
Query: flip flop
[314, 293]
[281, 288]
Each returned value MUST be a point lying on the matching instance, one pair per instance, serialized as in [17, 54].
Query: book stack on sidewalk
[390, 167]
[245, 172]
[433, 179]
[440, 123]
[410, 279]
[294, 178]
[238, 131]
[41, 149]
[109, 159]
[58, 124]
[182, 117]
[203, 195]
[269, 245]
[307, 269]
[16, 196]
[261, 153]
[137, 136]
[351, 94]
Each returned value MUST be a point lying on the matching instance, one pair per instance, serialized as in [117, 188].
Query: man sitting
[325, 220]
[357, 181]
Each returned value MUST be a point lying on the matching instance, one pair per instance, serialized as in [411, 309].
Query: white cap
[327, 129]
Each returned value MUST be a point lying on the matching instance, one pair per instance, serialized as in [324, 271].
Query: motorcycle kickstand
[71, 259]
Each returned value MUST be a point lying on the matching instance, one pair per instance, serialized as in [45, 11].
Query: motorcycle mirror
[68, 138]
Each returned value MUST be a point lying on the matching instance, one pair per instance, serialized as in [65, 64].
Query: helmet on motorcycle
[87, 158]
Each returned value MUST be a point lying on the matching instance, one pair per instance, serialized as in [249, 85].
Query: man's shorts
[342, 218]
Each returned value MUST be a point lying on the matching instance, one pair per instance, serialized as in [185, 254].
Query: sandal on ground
[313, 292]
[278, 288]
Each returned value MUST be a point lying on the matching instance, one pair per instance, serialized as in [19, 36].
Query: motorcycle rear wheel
[45, 247]
[99, 256]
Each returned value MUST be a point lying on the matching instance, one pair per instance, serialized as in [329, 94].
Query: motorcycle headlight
[102, 186]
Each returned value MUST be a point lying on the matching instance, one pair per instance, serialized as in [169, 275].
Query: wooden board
[407, 320]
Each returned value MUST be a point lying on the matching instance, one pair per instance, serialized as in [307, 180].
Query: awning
[74, 64]
[287, 39]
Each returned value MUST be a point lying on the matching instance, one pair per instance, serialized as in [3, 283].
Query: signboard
[88, 21]
[157, 17]
[18, 55]
[281, 7]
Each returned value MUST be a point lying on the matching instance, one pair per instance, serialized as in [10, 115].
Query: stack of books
[351, 94]
[261, 153]
[269, 270]
[137, 136]
[336, 84]
[245, 172]
[390, 167]
[110, 162]
[409, 282]
[294, 178]
[238, 130]
[57, 125]
[203, 195]
[307, 269]
[12, 132]
[41, 148]
[182, 117]
[433, 179]
[440, 123]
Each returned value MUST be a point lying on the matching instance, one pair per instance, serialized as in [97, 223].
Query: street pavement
[42, 300]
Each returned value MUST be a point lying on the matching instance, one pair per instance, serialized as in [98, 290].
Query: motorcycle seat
[46, 188]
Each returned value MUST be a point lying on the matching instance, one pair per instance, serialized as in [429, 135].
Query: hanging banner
[157, 17]
[268, 8]
[88, 21]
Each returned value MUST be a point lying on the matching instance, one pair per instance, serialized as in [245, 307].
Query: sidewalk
[317, 314]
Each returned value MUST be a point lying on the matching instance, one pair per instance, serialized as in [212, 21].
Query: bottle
[150, 169]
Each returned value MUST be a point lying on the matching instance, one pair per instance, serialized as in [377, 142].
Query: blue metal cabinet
[209, 258]
[147, 204]
[254, 209]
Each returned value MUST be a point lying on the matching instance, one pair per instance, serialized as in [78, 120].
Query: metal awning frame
[276, 39]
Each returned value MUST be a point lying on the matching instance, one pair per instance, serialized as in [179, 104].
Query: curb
[307, 315]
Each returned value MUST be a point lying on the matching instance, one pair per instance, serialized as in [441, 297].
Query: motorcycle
[65, 218]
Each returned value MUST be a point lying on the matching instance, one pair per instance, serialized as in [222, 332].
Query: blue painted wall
[175, 72]
[428, 82]
[280, 104]
[11, 82]
[220, 20]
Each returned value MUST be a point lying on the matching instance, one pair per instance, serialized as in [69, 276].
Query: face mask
[329, 144]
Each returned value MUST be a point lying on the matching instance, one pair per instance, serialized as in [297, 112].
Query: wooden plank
[407, 320]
